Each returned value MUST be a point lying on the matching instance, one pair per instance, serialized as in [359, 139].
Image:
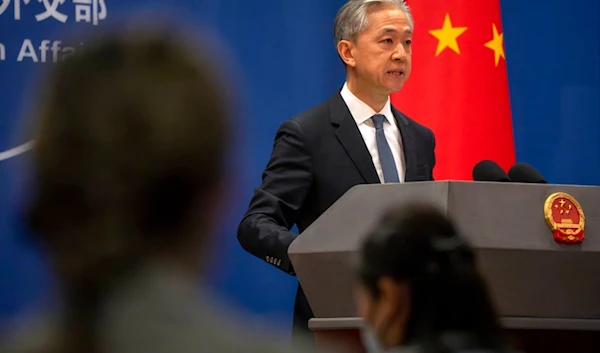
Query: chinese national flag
[459, 86]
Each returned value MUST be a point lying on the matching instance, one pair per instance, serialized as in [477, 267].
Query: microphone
[487, 170]
[525, 173]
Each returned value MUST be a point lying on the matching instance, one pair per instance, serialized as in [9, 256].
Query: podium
[546, 293]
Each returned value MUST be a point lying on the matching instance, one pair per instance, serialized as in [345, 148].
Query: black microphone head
[525, 173]
[487, 170]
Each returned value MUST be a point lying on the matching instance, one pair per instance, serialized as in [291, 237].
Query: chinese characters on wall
[90, 11]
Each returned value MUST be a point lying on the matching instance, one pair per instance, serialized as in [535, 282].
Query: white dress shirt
[362, 114]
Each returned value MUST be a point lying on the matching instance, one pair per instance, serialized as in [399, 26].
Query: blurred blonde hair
[130, 144]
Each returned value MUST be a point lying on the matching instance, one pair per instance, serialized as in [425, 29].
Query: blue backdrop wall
[284, 62]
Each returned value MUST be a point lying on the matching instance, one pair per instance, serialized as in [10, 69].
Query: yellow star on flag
[496, 44]
[447, 36]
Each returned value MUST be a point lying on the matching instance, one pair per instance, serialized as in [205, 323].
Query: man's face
[382, 52]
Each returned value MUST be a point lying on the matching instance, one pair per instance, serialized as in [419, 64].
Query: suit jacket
[317, 156]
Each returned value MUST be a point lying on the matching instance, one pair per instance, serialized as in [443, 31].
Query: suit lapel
[408, 144]
[349, 136]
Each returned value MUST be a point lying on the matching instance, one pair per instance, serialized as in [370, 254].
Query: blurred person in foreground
[128, 167]
[419, 288]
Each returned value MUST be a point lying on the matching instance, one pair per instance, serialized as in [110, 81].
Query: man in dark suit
[355, 137]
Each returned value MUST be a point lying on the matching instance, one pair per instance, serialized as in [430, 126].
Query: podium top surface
[491, 215]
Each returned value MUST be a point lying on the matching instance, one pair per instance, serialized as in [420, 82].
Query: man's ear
[345, 49]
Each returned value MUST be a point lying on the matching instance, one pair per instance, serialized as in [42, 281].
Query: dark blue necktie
[386, 158]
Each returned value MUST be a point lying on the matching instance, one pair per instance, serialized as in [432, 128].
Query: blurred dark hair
[417, 244]
[130, 146]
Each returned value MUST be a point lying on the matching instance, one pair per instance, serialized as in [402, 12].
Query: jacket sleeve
[265, 228]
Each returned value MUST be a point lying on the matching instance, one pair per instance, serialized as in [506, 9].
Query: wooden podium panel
[526, 341]
[339, 340]
[546, 294]
[546, 341]
[343, 335]
[529, 275]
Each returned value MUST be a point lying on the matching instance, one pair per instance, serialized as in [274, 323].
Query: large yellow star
[496, 44]
[447, 36]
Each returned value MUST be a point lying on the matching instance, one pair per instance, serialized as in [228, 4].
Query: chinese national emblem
[565, 218]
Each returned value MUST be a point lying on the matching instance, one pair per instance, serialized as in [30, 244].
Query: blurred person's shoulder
[159, 336]
[28, 333]
[156, 337]
[160, 312]
[156, 313]
[204, 327]
[422, 349]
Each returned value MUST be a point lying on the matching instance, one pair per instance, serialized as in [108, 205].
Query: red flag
[459, 86]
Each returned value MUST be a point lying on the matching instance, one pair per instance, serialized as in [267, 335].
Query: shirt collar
[360, 111]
